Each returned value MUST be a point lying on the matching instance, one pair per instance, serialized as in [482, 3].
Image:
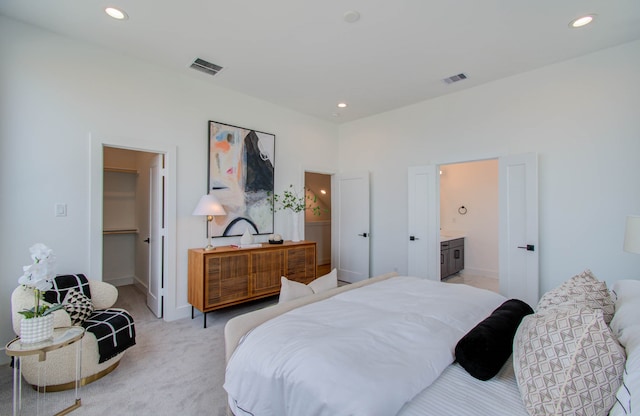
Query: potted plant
[37, 324]
[296, 202]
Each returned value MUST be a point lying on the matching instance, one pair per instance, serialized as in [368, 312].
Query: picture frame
[241, 171]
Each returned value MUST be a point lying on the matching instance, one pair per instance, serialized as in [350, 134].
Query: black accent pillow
[62, 283]
[484, 350]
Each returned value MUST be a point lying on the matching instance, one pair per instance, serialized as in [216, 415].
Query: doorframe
[501, 214]
[487, 156]
[97, 143]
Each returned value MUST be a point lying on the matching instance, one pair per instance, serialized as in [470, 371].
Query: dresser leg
[205, 319]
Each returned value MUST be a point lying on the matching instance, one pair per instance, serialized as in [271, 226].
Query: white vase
[38, 329]
[246, 238]
[295, 233]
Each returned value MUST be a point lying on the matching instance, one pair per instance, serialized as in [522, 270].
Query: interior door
[157, 236]
[518, 202]
[423, 222]
[352, 223]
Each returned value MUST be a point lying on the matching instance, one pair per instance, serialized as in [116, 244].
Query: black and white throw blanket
[114, 330]
[63, 283]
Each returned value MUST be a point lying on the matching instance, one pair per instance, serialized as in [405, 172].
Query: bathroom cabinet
[451, 257]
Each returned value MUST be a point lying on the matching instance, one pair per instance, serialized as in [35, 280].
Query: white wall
[580, 116]
[56, 91]
[473, 185]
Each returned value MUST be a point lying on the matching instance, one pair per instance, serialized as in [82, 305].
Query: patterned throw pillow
[78, 306]
[581, 290]
[566, 361]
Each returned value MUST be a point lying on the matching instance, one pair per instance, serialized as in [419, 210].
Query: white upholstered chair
[60, 365]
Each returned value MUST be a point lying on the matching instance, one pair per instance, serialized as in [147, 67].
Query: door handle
[413, 238]
[528, 247]
[146, 240]
[363, 235]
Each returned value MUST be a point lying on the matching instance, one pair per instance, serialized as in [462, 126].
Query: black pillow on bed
[484, 350]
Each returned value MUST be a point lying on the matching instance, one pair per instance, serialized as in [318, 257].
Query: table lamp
[209, 206]
[632, 234]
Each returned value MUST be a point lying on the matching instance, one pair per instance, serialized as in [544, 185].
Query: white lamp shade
[632, 234]
[209, 205]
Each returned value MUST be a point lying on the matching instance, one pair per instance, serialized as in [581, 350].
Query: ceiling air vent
[455, 78]
[206, 67]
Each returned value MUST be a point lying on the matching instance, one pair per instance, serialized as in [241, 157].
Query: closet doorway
[133, 222]
[318, 227]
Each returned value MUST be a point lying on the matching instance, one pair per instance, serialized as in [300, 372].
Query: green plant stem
[37, 303]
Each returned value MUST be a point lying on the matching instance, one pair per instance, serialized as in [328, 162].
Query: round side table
[61, 338]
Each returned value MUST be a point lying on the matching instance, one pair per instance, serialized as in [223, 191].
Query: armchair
[60, 364]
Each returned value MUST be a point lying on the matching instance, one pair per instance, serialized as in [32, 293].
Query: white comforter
[362, 352]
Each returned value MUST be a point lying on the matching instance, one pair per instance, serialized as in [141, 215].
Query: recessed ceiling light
[582, 21]
[351, 16]
[342, 105]
[116, 13]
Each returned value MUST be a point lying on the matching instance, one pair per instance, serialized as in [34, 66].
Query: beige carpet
[176, 368]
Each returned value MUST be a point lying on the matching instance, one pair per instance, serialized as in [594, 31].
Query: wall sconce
[209, 206]
[632, 234]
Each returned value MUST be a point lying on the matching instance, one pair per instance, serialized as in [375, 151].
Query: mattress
[455, 392]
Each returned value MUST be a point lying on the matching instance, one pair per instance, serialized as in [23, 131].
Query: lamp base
[209, 246]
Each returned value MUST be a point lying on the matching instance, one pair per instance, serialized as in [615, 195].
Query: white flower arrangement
[38, 276]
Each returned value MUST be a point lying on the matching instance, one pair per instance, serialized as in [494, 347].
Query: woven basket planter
[35, 330]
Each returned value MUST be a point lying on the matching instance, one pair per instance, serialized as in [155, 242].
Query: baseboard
[140, 284]
[121, 281]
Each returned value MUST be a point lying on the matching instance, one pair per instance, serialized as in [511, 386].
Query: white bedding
[363, 352]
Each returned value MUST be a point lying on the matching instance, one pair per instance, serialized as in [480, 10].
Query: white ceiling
[301, 54]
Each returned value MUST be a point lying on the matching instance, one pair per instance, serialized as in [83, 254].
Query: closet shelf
[121, 231]
[121, 170]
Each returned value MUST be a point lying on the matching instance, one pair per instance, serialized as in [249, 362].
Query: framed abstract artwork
[241, 174]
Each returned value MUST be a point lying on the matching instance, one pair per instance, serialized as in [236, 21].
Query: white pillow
[326, 282]
[627, 303]
[291, 290]
[626, 327]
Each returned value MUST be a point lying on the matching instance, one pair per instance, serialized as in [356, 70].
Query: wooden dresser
[228, 275]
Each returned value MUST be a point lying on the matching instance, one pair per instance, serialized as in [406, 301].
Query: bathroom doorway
[469, 208]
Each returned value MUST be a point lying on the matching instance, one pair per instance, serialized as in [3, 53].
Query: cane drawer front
[301, 263]
[226, 278]
[267, 267]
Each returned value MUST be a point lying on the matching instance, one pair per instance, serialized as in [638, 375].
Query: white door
[157, 236]
[518, 189]
[423, 220]
[352, 223]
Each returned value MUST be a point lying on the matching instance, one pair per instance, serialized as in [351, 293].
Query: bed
[357, 365]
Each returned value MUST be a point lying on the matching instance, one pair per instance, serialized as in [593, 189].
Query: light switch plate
[61, 210]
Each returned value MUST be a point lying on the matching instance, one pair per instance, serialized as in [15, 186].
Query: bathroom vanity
[451, 254]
